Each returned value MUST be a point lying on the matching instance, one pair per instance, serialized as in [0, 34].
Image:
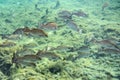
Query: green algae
[97, 67]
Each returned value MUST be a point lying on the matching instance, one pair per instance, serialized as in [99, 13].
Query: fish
[7, 44]
[35, 32]
[30, 57]
[105, 5]
[61, 48]
[10, 36]
[84, 49]
[4, 35]
[114, 8]
[30, 45]
[26, 51]
[19, 31]
[46, 11]
[57, 5]
[8, 21]
[43, 17]
[30, 32]
[49, 55]
[36, 7]
[80, 14]
[49, 26]
[66, 15]
[25, 60]
[81, 55]
[73, 26]
[107, 43]
[111, 50]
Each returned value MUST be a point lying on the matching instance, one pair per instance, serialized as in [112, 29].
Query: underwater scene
[59, 39]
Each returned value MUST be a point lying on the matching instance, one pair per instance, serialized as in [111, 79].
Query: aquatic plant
[68, 54]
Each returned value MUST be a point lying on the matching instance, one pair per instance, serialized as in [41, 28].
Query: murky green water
[59, 40]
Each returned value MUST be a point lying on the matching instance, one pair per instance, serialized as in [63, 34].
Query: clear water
[59, 40]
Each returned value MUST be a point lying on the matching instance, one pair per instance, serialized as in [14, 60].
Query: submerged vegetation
[64, 40]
